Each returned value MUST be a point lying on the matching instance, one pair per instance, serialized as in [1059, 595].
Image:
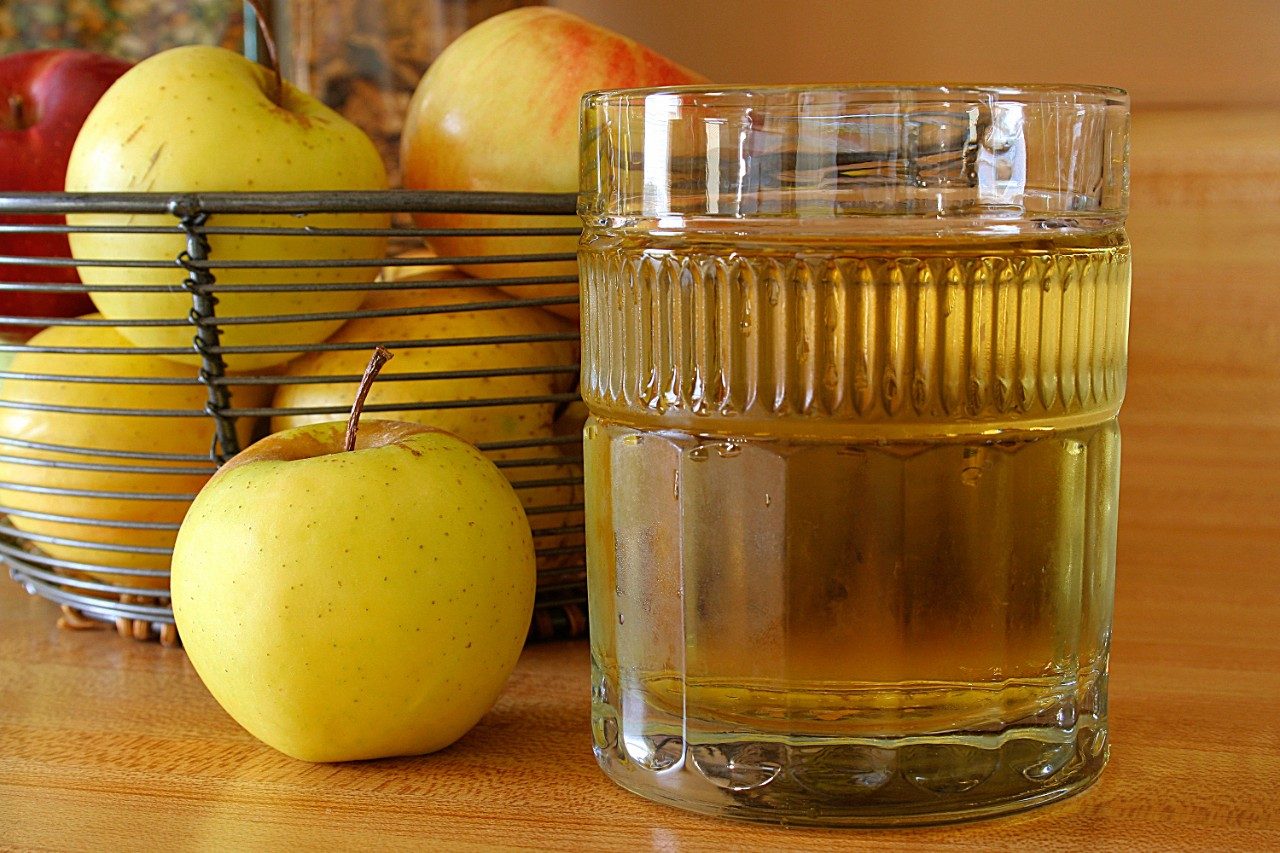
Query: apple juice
[851, 516]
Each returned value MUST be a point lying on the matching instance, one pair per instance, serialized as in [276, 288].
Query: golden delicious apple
[355, 604]
[476, 424]
[123, 432]
[538, 322]
[498, 110]
[204, 119]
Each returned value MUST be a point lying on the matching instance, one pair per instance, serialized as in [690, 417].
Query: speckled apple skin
[354, 605]
[203, 119]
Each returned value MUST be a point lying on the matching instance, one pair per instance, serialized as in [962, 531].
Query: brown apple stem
[17, 117]
[381, 355]
[270, 41]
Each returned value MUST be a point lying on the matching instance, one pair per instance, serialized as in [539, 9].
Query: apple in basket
[447, 307]
[357, 590]
[44, 98]
[498, 110]
[205, 119]
[115, 512]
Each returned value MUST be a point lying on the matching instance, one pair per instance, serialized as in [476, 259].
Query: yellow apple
[124, 432]
[532, 316]
[355, 604]
[476, 424]
[205, 119]
[498, 110]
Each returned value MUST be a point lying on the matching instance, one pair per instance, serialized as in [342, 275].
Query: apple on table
[355, 590]
[45, 96]
[498, 111]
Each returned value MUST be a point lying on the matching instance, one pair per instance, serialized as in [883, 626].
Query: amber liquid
[851, 519]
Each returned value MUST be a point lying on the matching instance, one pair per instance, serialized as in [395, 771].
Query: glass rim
[903, 150]
[879, 92]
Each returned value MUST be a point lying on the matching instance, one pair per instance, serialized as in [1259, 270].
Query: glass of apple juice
[853, 357]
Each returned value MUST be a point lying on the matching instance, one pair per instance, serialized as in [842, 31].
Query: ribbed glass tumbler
[853, 358]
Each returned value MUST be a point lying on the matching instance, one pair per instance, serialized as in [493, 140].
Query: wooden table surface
[112, 744]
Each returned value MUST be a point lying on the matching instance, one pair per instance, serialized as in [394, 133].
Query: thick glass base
[912, 781]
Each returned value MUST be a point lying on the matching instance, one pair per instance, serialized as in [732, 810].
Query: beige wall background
[1166, 53]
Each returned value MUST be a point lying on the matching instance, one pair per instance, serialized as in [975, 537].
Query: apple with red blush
[45, 96]
[498, 111]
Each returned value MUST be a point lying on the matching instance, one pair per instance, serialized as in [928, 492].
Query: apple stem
[261, 16]
[17, 112]
[381, 355]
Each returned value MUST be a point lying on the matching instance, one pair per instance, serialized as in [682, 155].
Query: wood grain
[111, 744]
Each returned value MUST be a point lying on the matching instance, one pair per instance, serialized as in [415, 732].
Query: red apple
[498, 110]
[44, 98]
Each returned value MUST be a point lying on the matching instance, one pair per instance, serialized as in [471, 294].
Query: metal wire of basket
[135, 599]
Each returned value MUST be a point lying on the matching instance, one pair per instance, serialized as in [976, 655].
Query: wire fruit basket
[108, 426]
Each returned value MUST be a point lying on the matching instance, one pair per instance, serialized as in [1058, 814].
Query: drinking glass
[853, 357]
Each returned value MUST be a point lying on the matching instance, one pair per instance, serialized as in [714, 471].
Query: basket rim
[184, 204]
